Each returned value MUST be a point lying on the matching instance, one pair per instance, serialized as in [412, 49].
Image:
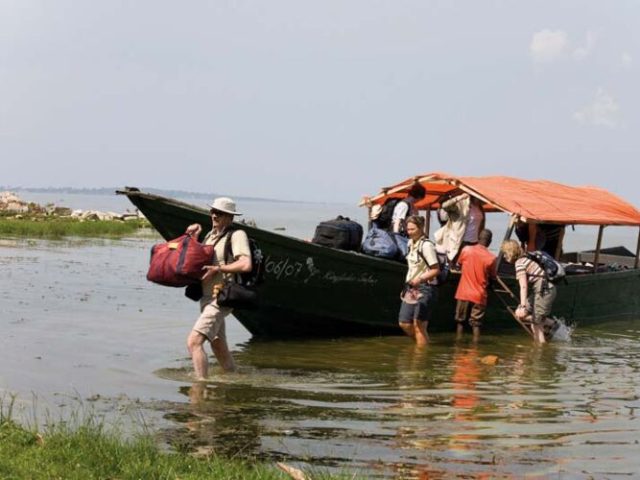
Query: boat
[316, 291]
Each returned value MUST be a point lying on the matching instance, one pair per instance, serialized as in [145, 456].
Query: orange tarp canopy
[531, 200]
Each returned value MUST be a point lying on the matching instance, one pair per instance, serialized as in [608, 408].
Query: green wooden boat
[315, 291]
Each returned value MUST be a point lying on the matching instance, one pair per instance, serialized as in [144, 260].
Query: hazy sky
[328, 99]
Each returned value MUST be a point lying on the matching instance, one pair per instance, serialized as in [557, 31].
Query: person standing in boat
[464, 220]
[420, 294]
[401, 212]
[210, 325]
[540, 236]
[536, 292]
[477, 266]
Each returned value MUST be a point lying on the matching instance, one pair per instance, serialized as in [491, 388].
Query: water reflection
[388, 408]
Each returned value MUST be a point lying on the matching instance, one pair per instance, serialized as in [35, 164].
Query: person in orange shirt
[477, 266]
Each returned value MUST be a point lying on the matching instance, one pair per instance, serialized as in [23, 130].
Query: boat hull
[315, 291]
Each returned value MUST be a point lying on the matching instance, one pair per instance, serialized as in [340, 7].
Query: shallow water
[81, 326]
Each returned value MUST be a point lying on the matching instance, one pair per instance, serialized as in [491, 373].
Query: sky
[320, 101]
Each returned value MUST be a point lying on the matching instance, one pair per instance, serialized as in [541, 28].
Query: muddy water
[80, 325]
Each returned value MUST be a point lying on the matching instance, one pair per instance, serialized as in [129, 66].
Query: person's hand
[194, 230]
[415, 282]
[521, 312]
[210, 271]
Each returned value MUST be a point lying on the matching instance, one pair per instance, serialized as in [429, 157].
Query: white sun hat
[225, 205]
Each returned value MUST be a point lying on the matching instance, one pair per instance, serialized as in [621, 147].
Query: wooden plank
[637, 251]
[596, 260]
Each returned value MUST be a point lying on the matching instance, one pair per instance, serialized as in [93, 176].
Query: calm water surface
[81, 326]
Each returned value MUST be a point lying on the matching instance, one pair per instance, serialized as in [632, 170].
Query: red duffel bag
[179, 262]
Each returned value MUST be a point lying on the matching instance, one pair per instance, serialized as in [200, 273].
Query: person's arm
[452, 203]
[427, 276]
[241, 265]
[521, 311]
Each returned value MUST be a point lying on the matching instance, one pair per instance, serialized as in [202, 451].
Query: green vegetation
[58, 227]
[91, 452]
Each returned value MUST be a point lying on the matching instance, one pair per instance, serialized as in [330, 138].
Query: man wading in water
[211, 325]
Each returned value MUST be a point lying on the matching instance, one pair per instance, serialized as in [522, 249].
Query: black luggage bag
[341, 233]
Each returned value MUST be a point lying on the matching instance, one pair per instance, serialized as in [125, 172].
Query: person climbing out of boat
[536, 292]
[210, 325]
[540, 236]
[477, 266]
[464, 220]
[420, 294]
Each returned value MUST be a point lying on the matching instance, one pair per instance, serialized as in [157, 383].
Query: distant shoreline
[109, 191]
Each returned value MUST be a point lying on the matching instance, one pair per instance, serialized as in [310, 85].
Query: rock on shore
[11, 203]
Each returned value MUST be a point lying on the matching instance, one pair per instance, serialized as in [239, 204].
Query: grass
[90, 451]
[58, 227]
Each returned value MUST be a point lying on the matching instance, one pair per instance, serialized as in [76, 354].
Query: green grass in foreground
[56, 227]
[89, 452]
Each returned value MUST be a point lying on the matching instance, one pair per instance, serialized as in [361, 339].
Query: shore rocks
[12, 204]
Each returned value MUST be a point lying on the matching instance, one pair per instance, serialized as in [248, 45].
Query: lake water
[83, 329]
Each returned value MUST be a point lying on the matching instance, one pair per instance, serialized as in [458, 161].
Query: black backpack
[256, 275]
[553, 270]
[385, 218]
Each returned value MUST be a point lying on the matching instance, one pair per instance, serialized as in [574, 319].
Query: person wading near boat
[419, 295]
[210, 325]
[536, 292]
[477, 266]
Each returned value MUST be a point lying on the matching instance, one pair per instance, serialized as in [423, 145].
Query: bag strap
[421, 245]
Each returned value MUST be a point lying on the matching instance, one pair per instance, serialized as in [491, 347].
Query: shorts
[473, 312]
[423, 309]
[211, 323]
[540, 303]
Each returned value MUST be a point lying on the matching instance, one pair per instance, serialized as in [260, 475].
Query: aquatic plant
[56, 227]
[91, 450]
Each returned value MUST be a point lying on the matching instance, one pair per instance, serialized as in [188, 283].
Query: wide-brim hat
[225, 205]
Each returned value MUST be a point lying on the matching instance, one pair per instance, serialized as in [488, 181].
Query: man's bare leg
[195, 344]
[223, 355]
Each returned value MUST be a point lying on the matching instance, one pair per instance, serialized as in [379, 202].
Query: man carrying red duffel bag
[179, 262]
[210, 325]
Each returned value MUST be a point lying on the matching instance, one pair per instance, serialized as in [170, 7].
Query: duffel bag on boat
[341, 233]
[380, 243]
[179, 262]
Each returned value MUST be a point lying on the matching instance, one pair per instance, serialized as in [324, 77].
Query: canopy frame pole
[427, 220]
[596, 258]
[637, 263]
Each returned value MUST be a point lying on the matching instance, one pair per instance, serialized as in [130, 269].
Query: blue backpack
[379, 243]
[553, 270]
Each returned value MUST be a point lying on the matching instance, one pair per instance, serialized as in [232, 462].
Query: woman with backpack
[537, 293]
[420, 293]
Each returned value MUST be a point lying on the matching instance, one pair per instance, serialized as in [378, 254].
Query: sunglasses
[217, 213]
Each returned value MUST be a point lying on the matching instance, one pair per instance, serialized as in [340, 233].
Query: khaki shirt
[239, 247]
[416, 264]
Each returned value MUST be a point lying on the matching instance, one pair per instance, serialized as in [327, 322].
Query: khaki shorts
[473, 312]
[540, 303]
[210, 323]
